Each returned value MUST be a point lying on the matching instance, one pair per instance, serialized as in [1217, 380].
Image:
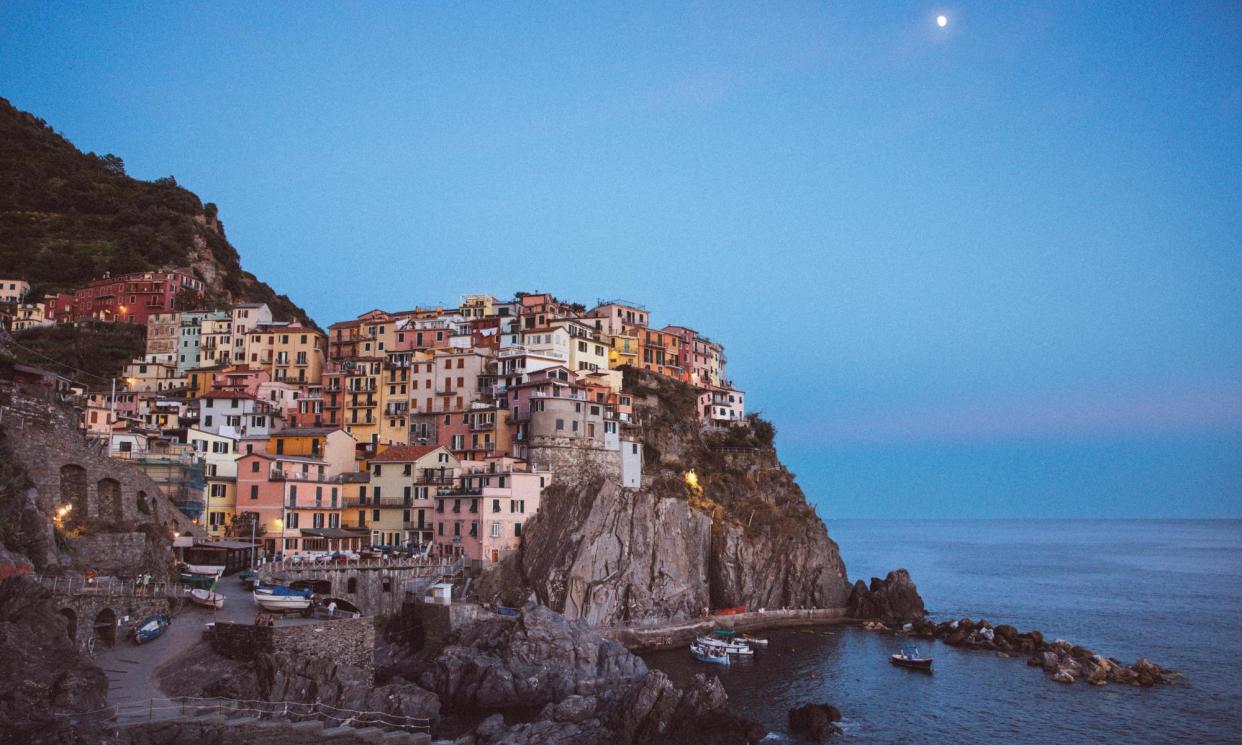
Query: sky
[987, 270]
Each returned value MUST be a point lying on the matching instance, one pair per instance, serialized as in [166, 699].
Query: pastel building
[483, 518]
[396, 505]
[129, 298]
[14, 291]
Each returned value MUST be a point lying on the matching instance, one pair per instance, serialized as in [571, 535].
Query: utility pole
[111, 415]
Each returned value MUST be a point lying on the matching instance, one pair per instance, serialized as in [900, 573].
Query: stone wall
[87, 616]
[570, 461]
[116, 554]
[67, 469]
[346, 642]
[254, 732]
[377, 590]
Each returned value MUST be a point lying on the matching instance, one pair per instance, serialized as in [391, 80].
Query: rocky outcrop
[1066, 662]
[649, 711]
[815, 721]
[894, 599]
[540, 658]
[46, 680]
[739, 532]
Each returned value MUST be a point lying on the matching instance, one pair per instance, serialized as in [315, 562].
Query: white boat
[753, 640]
[206, 598]
[709, 654]
[281, 603]
[731, 647]
[210, 570]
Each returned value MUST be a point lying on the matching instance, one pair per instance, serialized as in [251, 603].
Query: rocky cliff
[718, 522]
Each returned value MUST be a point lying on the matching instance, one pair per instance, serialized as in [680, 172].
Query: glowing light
[692, 479]
[942, 21]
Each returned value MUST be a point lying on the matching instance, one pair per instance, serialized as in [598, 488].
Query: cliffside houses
[431, 429]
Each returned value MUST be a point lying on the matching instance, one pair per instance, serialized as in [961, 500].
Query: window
[375, 515]
[495, 507]
[560, 424]
[254, 466]
[517, 530]
[495, 531]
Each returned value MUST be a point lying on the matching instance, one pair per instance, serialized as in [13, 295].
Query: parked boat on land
[281, 590]
[207, 598]
[214, 570]
[151, 628]
[909, 657]
[197, 581]
[282, 603]
[712, 655]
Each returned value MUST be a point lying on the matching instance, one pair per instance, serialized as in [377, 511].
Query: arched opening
[144, 506]
[105, 626]
[73, 490]
[71, 623]
[109, 493]
[351, 586]
[317, 586]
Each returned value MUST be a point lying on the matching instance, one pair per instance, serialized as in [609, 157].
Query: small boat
[198, 581]
[207, 598]
[214, 570]
[151, 628]
[731, 635]
[511, 612]
[735, 610]
[282, 603]
[713, 655]
[909, 657]
[282, 591]
[731, 647]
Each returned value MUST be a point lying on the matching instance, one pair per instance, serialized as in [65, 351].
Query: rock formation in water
[893, 599]
[718, 522]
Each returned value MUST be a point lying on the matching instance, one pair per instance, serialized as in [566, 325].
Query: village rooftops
[405, 453]
[306, 431]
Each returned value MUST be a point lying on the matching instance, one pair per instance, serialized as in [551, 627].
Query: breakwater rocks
[1066, 662]
[894, 599]
[815, 721]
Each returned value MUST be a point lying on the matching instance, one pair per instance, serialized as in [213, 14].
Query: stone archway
[73, 488]
[144, 505]
[71, 621]
[105, 627]
[108, 494]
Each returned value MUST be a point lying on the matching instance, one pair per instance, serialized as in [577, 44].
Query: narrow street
[131, 668]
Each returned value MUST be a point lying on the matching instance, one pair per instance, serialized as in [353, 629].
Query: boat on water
[728, 646]
[151, 628]
[206, 598]
[731, 635]
[282, 603]
[712, 655]
[909, 657]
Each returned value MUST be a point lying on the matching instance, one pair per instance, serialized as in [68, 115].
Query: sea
[1168, 590]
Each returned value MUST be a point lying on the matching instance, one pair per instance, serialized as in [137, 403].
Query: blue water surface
[1168, 590]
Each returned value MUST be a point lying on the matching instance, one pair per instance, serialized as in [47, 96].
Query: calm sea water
[1167, 590]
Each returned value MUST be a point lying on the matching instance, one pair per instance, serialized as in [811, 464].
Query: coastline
[672, 634]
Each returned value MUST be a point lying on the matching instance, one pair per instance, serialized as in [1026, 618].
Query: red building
[128, 298]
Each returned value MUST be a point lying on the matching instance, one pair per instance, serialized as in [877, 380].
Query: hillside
[67, 217]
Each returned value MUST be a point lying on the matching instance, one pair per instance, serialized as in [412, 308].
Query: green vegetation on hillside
[101, 349]
[67, 217]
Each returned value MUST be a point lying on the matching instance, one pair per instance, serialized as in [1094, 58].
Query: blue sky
[993, 269]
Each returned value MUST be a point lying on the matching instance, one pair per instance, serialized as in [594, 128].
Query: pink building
[298, 501]
[483, 519]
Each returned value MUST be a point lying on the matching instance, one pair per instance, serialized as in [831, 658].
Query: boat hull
[702, 656]
[151, 629]
[207, 598]
[281, 603]
[923, 663]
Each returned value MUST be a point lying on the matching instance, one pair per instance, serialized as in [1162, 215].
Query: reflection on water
[1130, 602]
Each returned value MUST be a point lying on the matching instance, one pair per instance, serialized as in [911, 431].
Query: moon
[942, 21]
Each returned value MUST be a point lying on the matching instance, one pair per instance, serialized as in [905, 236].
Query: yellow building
[397, 506]
[624, 351]
[291, 353]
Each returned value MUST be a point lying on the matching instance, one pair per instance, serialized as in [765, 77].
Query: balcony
[317, 478]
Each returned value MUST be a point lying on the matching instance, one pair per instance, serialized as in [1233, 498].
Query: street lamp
[281, 525]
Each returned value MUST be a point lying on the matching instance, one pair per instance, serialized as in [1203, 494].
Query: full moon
[942, 21]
